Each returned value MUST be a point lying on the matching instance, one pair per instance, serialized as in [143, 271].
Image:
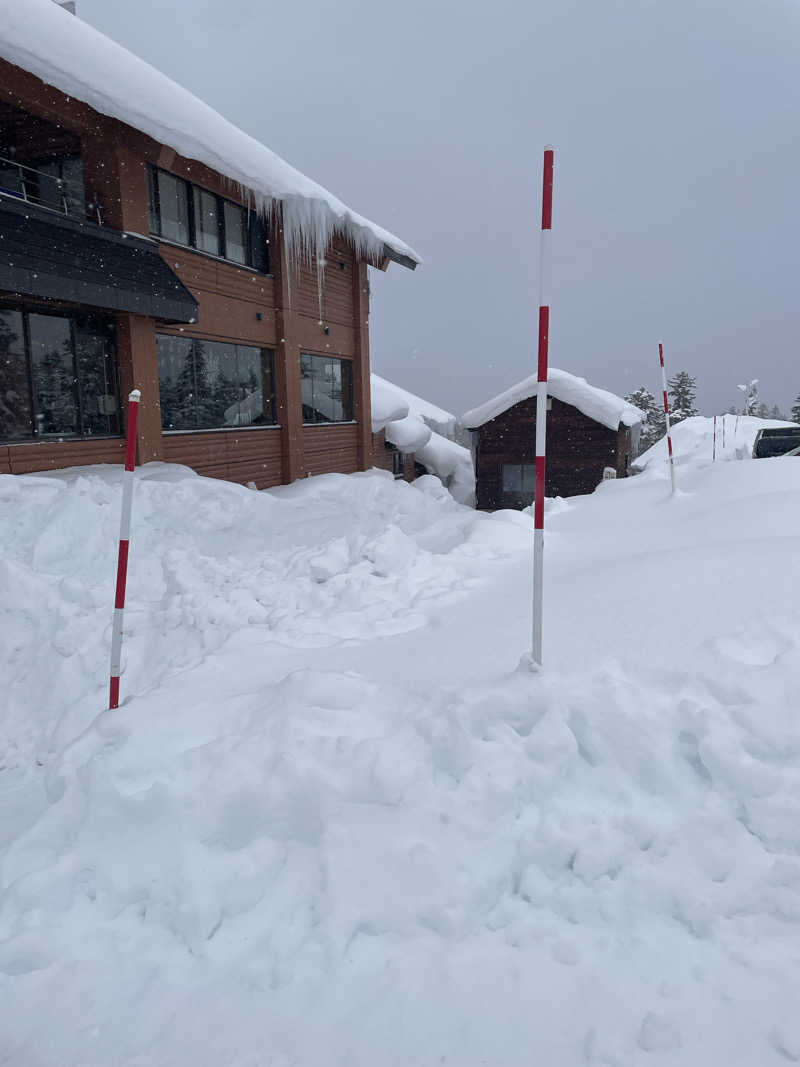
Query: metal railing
[37, 187]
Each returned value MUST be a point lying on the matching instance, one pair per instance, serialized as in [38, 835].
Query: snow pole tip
[134, 396]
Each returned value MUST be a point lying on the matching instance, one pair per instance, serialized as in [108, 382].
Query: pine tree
[682, 395]
[762, 411]
[653, 412]
[796, 409]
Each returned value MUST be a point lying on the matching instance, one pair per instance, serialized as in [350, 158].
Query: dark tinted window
[70, 365]
[327, 389]
[15, 401]
[519, 484]
[235, 233]
[192, 216]
[173, 208]
[53, 374]
[210, 385]
[206, 221]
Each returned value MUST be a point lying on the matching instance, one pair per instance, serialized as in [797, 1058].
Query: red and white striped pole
[714, 448]
[124, 542]
[666, 415]
[541, 406]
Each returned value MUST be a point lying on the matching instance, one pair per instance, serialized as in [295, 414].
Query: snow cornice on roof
[598, 404]
[40, 37]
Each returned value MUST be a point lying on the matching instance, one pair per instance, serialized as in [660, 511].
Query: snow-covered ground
[333, 825]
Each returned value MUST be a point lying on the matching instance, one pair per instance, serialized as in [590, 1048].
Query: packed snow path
[334, 826]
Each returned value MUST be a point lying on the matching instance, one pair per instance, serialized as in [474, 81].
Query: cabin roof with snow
[598, 404]
[42, 38]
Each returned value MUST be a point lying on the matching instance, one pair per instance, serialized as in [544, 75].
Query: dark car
[776, 441]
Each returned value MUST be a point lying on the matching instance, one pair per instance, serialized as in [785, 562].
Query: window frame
[521, 465]
[246, 427]
[105, 327]
[342, 360]
[253, 225]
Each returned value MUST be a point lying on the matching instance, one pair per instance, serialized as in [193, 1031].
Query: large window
[208, 385]
[327, 389]
[192, 216]
[519, 484]
[58, 376]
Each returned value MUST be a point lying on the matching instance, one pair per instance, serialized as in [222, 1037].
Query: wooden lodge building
[146, 242]
[588, 431]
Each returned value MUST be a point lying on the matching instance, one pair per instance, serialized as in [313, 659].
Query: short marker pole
[714, 447]
[666, 416]
[723, 433]
[124, 542]
[541, 407]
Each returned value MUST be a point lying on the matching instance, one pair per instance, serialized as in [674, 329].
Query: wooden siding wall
[578, 448]
[249, 456]
[328, 449]
[54, 455]
[280, 310]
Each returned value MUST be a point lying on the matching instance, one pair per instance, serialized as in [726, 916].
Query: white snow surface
[598, 404]
[65, 51]
[334, 824]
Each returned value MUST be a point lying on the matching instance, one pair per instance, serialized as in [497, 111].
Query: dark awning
[45, 254]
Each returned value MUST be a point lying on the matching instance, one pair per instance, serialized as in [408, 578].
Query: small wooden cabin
[588, 430]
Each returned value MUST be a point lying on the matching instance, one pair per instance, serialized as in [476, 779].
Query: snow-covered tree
[796, 409]
[750, 390]
[682, 395]
[653, 411]
[762, 411]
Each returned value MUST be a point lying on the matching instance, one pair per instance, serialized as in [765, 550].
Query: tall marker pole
[124, 542]
[714, 449]
[541, 406]
[666, 415]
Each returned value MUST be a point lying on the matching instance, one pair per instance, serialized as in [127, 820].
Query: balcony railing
[39, 188]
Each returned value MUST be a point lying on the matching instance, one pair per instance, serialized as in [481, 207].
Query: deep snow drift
[334, 826]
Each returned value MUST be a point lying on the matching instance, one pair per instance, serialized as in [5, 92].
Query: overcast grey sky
[677, 202]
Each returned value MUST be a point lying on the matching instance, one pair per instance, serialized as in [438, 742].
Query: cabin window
[210, 385]
[58, 376]
[190, 215]
[519, 484]
[327, 389]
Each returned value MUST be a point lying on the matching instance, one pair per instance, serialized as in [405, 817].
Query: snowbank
[333, 824]
[693, 441]
[598, 404]
[64, 51]
[452, 463]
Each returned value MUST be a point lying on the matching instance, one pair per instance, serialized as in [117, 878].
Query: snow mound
[67, 52]
[334, 823]
[598, 404]
[693, 441]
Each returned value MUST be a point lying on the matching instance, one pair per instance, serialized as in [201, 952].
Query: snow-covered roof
[598, 404]
[437, 418]
[64, 51]
[412, 425]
